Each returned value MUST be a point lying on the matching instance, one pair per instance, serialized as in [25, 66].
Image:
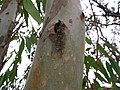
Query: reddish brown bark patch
[35, 81]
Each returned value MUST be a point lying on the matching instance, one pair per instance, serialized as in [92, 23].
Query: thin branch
[107, 11]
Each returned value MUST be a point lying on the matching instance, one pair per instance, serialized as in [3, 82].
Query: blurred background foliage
[102, 48]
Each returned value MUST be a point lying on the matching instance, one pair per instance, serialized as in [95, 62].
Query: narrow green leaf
[101, 49]
[44, 4]
[109, 45]
[26, 15]
[28, 44]
[112, 75]
[21, 47]
[33, 39]
[109, 68]
[1, 80]
[7, 76]
[13, 74]
[31, 9]
[115, 66]
[101, 78]
[89, 62]
[84, 83]
[102, 69]
[38, 5]
[88, 40]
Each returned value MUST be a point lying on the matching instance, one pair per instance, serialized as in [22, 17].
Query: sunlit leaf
[31, 9]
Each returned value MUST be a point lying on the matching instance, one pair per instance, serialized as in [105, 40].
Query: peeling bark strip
[58, 38]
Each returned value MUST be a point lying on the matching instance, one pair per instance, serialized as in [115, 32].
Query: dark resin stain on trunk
[58, 38]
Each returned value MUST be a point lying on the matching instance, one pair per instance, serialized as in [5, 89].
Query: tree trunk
[58, 63]
[7, 24]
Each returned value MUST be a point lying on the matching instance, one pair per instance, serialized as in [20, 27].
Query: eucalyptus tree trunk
[58, 63]
[7, 24]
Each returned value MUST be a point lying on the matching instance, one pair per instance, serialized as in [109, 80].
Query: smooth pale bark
[7, 19]
[58, 63]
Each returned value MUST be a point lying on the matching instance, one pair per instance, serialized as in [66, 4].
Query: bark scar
[58, 38]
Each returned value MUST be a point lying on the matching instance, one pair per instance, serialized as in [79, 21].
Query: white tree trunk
[58, 63]
[7, 19]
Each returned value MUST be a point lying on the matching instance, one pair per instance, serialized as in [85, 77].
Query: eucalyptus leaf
[31, 9]
[88, 40]
[102, 79]
[115, 66]
[109, 68]
[28, 43]
[102, 69]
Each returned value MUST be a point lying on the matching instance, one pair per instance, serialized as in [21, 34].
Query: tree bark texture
[58, 63]
[7, 24]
